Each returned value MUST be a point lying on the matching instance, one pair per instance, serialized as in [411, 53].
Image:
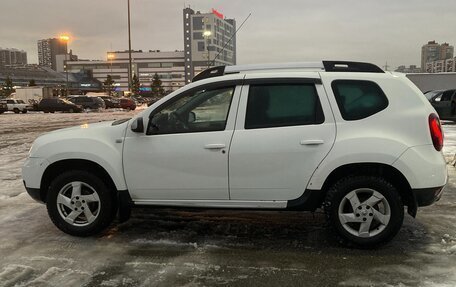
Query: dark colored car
[3, 107]
[93, 103]
[111, 102]
[58, 105]
[127, 104]
[444, 102]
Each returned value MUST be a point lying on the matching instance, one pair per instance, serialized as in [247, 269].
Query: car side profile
[347, 137]
[87, 102]
[444, 102]
[51, 105]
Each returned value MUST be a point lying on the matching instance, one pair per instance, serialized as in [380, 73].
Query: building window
[197, 23]
[198, 36]
[200, 46]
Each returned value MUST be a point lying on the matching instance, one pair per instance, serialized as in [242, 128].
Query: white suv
[345, 136]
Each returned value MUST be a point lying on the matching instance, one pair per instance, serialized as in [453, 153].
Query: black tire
[105, 214]
[24, 111]
[16, 110]
[340, 189]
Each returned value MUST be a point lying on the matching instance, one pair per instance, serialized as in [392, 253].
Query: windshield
[432, 94]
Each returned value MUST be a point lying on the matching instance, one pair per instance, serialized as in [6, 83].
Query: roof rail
[328, 66]
[345, 66]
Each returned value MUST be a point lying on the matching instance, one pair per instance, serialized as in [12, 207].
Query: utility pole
[129, 51]
[386, 66]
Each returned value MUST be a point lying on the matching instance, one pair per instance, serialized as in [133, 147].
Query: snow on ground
[165, 247]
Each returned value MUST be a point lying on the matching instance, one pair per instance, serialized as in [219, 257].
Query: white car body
[16, 105]
[274, 168]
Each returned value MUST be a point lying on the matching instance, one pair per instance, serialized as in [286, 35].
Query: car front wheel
[364, 211]
[79, 203]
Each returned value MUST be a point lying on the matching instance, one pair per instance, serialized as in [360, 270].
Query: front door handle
[312, 142]
[214, 146]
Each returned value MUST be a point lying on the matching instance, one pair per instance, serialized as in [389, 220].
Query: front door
[184, 153]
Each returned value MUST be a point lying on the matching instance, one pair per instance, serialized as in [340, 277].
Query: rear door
[284, 129]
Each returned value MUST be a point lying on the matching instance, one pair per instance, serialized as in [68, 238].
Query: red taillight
[436, 131]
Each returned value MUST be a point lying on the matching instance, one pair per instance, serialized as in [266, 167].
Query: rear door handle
[312, 142]
[214, 146]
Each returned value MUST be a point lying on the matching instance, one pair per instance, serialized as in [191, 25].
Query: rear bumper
[427, 196]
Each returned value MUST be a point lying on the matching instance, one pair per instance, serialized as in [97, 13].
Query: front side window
[200, 111]
[278, 105]
[358, 99]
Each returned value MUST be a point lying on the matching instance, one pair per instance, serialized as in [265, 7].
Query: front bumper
[32, 172]
[427, 196]
[34, 193]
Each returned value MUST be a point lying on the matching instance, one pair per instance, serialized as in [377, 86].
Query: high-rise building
[12, 57]
[48, 49]
[209, 40]
[433, 51]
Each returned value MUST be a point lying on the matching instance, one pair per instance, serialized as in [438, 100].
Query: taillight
[436, 131]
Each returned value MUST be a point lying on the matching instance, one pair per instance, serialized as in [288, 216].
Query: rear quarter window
[358, 99]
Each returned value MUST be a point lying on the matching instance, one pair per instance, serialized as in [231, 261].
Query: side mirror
[138, 125]
[191, 117]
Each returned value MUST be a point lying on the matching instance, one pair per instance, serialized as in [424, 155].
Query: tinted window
[446, 96]
[200, 111]
[358, 99]
[278, 105]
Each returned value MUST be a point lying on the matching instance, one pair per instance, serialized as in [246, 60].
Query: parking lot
[165, 247]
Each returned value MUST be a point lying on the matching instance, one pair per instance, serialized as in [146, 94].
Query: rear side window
[446, 96]
[278, 105]
[358, 99]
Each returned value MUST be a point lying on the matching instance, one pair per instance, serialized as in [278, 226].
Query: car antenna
[232, 36]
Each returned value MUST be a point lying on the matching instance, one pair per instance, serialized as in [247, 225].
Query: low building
[441, 66]
[409, 69]
[169, 66]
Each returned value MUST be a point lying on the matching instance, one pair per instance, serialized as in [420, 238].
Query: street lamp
[207, 34]
[129, 51]
[111, 56]
[66, 39]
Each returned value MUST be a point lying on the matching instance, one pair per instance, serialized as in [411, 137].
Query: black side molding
[310, 200]
[346, 66]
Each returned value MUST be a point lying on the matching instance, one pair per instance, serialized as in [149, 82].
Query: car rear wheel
[79, 203]
[24, 111]
[364, 211]
[16, 110]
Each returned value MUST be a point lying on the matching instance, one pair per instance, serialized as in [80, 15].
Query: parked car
[444, 102]
[127, 104]
[51, 105]
[283, 137]
[110, 102]
[3, 107]
[93, 103]
[16, 106]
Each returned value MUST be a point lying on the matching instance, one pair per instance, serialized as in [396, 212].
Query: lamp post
[66, 39]
[111, 57]
[207, 34]
[129, 51]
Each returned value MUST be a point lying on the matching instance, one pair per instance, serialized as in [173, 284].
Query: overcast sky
[278, 31]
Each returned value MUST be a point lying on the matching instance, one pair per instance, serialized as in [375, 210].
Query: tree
[32, 83]
[8, 87]
[156, 86]
[135, 84]
[108, 84]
